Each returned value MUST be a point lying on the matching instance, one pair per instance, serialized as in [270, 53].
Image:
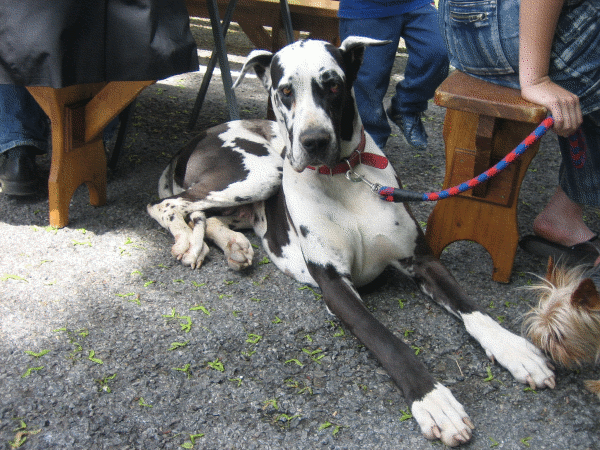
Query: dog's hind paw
[239, 252]
[441, 416]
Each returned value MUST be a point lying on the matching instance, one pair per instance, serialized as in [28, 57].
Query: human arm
[537, 25]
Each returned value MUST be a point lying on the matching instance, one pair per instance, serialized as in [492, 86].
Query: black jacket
[59, 43]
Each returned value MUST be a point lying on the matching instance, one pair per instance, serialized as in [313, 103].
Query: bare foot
[561, 221]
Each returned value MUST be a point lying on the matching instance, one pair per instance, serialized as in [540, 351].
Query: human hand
[562, 104]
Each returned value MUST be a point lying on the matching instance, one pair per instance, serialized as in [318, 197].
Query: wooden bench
[78, 115]
[483, 123]
[317, 17]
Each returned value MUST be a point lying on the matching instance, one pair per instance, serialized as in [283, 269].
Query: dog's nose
[315, 141]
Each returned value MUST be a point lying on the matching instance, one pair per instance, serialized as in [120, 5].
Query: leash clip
[357, 178]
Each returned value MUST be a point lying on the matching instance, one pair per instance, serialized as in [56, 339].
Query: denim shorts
[482, 37]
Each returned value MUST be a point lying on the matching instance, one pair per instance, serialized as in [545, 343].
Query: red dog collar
[358, 156]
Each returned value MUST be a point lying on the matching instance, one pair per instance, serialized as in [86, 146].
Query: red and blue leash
[391, 194]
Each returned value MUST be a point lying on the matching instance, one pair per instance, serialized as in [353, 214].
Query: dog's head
[566, 322]
[310, 86]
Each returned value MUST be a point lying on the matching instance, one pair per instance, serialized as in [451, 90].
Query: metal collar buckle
[351, 175]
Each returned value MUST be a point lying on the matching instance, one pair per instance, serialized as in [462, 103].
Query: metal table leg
[209, 69]
[286, 17]
[217, 30]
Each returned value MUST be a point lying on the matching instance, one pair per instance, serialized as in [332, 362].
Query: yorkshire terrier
[566, 322]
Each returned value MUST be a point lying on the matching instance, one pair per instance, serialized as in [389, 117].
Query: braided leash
[391, 194]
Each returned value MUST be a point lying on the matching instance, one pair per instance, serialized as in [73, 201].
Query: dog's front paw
[195, 255]
[520, 357]
[524, 361]
[181, 245]
[440, 416]
[189, 253]
[239, 252]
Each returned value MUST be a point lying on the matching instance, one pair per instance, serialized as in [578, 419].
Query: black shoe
[411, 127]
[19, 172]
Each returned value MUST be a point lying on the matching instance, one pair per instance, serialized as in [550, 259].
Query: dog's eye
[286, 91]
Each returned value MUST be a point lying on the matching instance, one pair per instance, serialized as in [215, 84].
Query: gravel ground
[135, 351]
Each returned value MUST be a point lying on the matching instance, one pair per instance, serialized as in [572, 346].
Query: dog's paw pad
[239, 252]
[440, 416]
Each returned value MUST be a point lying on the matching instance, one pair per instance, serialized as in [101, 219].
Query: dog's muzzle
[317, 147]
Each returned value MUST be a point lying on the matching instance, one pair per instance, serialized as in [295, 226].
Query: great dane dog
[286, 179]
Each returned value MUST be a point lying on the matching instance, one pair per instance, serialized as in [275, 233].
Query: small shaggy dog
[566, 322]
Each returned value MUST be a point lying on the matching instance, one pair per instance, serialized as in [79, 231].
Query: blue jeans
[22, 121]
[426, 68]
[482, 37]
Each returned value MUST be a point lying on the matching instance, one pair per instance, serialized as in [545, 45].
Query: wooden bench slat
[466, 93]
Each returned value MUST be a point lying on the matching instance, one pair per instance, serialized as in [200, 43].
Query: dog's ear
[586, 296]
[259, 61]
[353, 49]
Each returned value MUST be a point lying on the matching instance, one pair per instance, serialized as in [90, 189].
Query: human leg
[426, 68]
[577, 68]
[427, 64]
[374, 75]
[560, 230]
[23, 135]
[561, 220]
[23, 121]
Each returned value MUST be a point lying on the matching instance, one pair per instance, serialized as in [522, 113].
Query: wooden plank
[317, 8]
[463, 92]
[317, 17]
[108, 103]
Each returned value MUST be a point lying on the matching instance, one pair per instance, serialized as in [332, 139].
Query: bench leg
[70, 169]
[488, 214]
[78, 115]
[493, 227]
[74, 161]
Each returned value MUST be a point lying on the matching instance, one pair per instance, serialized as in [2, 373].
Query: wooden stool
[78, 115]
[484, 122]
